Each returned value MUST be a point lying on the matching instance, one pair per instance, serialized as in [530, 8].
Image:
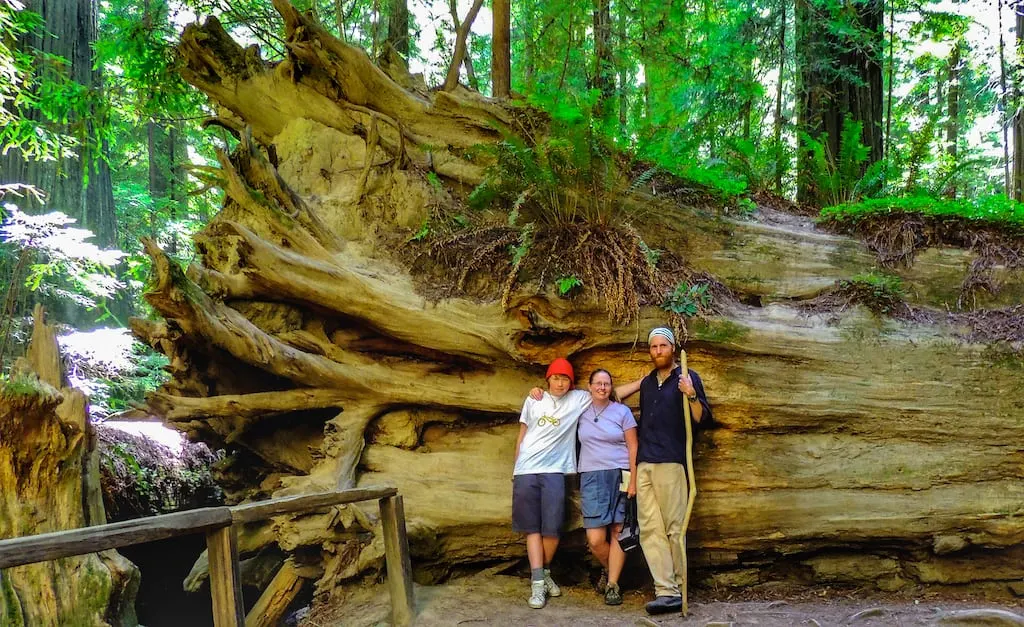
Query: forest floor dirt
[501, 600]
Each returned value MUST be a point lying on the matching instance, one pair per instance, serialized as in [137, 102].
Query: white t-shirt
[550, 441]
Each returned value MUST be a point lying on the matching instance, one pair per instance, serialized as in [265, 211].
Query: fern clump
[567, 178]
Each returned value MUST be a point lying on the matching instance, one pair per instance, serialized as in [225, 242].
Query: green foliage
[520, 250]
[435, 182]
[143, 478]
[651, 255]
[718, 331]
[992, 209]
[672, 153]
[112, 368]
[567, 178]
[881, 293]
[688, 300]
[62, 264]
[423, 232]
[836, 179]
[38, 99]
[567, 284]
[755, 165]
[126, 389]
[879, 283]
[20, 385]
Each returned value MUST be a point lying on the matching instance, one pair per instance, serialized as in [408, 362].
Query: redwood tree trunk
[1003, 105]
[1018, 118]
[777, 125]
[69, 30]
[828, 92]
[953, 112]
[398, 26]
[501, 51]
[604, 71]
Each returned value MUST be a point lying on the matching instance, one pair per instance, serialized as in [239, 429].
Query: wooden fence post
[396, 556]
[225, 584]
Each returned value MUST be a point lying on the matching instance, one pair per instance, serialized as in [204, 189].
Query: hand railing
[218, 523]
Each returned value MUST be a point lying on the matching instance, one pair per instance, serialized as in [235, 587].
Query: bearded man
[661, 486]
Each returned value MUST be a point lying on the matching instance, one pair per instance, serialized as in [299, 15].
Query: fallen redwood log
[862, 451]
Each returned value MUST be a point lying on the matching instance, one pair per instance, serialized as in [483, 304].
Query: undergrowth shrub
[559, 210]
[994, 209]
[843, 177]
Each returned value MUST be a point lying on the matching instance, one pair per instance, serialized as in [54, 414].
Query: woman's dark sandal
[612, 595]
[664, 605]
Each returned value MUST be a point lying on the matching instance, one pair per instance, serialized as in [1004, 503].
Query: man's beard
[663, 361]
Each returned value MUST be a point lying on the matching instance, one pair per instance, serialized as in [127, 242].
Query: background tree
[501, 50]
[77, 181]
[398, 26]
[839, 56]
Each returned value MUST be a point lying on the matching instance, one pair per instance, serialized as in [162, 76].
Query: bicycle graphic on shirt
[548, 420]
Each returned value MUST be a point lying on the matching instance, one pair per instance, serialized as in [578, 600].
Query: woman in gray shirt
[608, 445]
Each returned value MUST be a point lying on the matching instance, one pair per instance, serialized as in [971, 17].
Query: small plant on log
[882, 294]
[688, 300]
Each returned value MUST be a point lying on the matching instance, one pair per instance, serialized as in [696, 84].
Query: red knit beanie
[560, 366]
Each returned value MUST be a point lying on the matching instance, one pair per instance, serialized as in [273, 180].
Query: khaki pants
[661, 506]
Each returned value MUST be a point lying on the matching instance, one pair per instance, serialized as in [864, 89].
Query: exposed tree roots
[846, 294]
[611, 263]
[996, 325]
[897, 238]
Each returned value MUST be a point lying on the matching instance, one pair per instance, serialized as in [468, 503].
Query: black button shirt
[662, 434]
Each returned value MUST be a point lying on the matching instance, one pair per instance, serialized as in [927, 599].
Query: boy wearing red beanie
[545, 453]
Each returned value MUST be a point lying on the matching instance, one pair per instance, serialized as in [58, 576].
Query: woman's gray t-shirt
[603, 441]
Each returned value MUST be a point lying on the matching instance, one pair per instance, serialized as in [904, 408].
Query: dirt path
[501, 600]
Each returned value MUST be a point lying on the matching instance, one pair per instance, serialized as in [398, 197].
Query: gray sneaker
[602, 582]
[538, 594]
[612, 596]
[549, 583]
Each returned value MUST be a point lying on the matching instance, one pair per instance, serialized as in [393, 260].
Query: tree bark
[467, 61]
[460, 46]
[623, 88]
[889, 86]
[501, 51]
[45, 456]
[1018, 117]
[953, 112]
[604, 71]
[69, 30]
[777, 126]
[827, 93]
[398, 26]
[1004, 119]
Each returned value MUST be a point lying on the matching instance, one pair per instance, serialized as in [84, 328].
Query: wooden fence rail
[222, 544]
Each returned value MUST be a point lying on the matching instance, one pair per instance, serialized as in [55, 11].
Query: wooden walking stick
[691, 481]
